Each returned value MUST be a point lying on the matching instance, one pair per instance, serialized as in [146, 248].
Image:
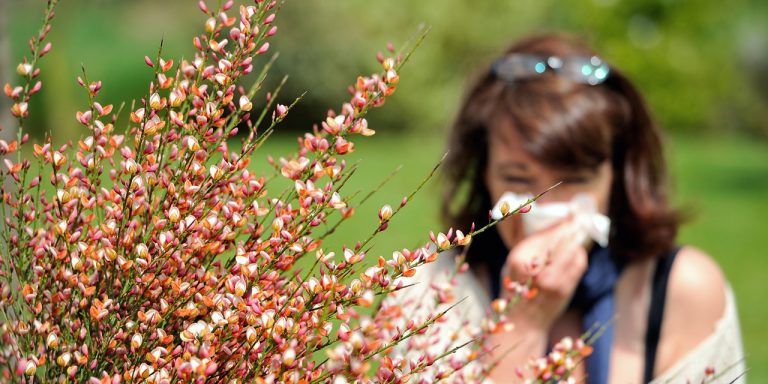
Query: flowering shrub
[154, 255]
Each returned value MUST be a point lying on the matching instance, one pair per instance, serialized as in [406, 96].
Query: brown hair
[563, 123]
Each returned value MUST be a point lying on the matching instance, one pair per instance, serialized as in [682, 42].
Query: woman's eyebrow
[512, 165]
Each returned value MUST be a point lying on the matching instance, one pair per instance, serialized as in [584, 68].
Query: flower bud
[251, 335]
[45, 49]
[264, 48]
[84, 117]
[176, 98]
[192, 144]
[235, 34]
[442, 241]
[356, 339]
[221, 78]
[277, 224]
[152, 126]
[111, 254]
[36, 87]
[52, 341]
[245, 103]
[217, 46]
[216, 172]
[61, 227]
[289, 356]
[24, 69]
[499, 305]
[463, 240]
[281, 110]
[20, 109]
[63, 196]
[388, 64]
[351, 257]
[154, 101]
[366, 300]
[391, 77]
[210, 25]
[203, 7]
[138, 115]
[385, 213]
[131, 166]
[30, 368]
[59, 159]
[136, 340]
[174, 215]
[63, 359]
[504, 208]
[225, 65]
[165, 65]
[144, 370]
[163, 81]
[240, 287]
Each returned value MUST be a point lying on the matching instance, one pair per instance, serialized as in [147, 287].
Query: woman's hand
[555, 259]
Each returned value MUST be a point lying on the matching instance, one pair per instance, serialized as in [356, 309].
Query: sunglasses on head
[581, 69]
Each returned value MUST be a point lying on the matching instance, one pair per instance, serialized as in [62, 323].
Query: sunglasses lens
[519, 67]
[585, 70]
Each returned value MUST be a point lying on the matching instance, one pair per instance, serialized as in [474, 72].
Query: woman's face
[511, 169]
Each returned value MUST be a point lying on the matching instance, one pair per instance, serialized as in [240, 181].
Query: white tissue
[582, 206]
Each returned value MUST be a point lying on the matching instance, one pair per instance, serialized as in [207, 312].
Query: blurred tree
[699, 62]
[687, 56]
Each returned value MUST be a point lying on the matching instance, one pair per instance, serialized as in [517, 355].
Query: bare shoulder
[695, 303]
[696, 286]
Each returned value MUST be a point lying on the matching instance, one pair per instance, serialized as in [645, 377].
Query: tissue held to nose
[592, 224]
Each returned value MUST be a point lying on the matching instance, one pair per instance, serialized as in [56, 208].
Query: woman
[550, 111]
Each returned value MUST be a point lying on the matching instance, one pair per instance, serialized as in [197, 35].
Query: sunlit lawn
[724, 181]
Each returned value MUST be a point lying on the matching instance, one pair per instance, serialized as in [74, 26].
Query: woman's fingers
[554, 258]
[563, 274]
[567, 253]
[539, 249]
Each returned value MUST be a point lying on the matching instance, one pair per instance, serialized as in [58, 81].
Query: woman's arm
[515, 348]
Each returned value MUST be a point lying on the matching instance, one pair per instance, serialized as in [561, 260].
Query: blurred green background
[702, 64]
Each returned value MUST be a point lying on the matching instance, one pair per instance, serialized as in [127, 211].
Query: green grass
[375, 159]
[723, 181]
[726, 180]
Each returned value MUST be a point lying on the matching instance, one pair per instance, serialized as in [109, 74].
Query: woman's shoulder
[697, 295]
[696, 286]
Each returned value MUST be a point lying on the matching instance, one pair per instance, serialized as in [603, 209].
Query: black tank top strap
[656, 311]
